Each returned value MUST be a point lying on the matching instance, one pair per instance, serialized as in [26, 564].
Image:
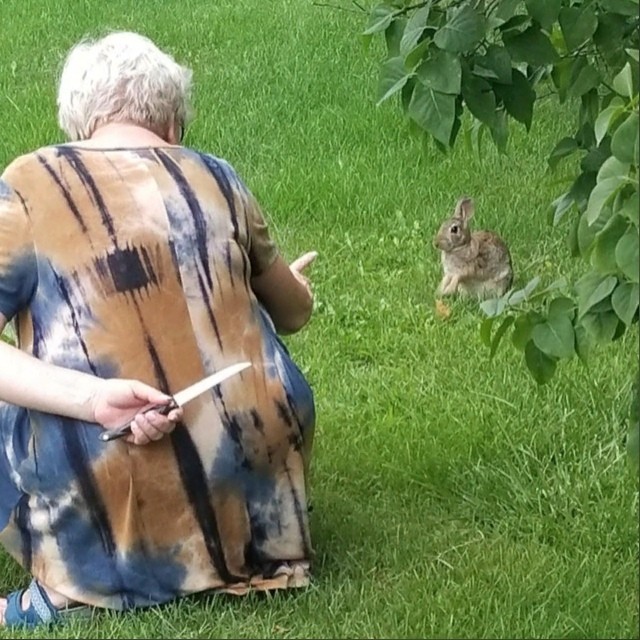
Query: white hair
[122, 77]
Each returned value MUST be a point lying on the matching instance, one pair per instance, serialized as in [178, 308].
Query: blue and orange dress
[137, 263]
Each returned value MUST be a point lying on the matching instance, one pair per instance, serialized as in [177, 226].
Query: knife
[181, 398]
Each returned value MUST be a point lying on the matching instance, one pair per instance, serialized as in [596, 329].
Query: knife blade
[181, 398]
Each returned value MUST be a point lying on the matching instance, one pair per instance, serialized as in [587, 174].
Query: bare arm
[28, 382]
[286, 293]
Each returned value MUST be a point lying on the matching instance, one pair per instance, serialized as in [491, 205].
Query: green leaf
[562, 306]
[405, 96]
[555, 337]
[589, 111]
[625, 300]
[416, 55]
[560, 283]
[572, 236]
[620, 331]
[601, 327]
[493, 306]
[544, 11]
[578, 25]
[624, 143]
[560, 206]
[501, 330]
[588, 78]
[380, 18]
[522, 329]
[564, 148]
[623, 82]
[627, 253]
[485, 331]
[495, 65]
[441, 72]
[592, 288]
[464, 29]
[393, 36]
[518, 98]
[612, 168]
[414, 29]
[606, 118]
[457, 120]
[515, 25]
[506, 9]
[604, 247]
[393, 77]
[634, 54]
[587, 232]
[531, 46]
[541, 366]
[602, 194]
[595, 157]
[583, 343]
[433, 111]
[602, 306]
[631, 208]
[500, 131]
[582, 187]
[516, 297]
[623, 7]
[479, 97]
[610, 33]
[532, 285]
[561, 75]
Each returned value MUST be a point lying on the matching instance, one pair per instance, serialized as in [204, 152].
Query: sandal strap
[40, 610]
[41, 603]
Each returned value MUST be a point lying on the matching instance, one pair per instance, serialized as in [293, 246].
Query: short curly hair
[121, 77]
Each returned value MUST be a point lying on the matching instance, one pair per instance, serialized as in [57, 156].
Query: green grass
[452, 496]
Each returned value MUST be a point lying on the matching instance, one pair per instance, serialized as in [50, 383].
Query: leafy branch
[443, 60]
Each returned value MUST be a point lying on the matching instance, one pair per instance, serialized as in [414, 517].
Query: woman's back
[146, 255]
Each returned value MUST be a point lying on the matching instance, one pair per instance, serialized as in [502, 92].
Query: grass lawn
[452, 496]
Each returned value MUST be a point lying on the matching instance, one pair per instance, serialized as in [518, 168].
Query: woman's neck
[122, 135]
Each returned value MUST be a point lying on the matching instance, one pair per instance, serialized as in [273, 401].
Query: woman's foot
[48, 598]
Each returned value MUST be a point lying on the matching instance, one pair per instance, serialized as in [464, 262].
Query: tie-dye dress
[136, 263]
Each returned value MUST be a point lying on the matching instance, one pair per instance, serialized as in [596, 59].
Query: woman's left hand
[117, 401]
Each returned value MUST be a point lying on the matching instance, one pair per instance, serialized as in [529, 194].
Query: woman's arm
[286, 293]
[28, 382]
[31, 383]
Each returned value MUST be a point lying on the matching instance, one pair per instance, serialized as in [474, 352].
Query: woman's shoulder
[20, 164]
[213, 162]
[26, 172]
[223, 170]
[24, 163]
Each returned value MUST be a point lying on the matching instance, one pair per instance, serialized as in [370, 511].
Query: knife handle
[125, 429]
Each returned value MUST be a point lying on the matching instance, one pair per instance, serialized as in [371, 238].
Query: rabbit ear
[465, 208]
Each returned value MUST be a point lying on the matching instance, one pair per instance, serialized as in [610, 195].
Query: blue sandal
[40, 610]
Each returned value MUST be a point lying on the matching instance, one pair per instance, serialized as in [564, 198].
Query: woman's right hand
[117, 401]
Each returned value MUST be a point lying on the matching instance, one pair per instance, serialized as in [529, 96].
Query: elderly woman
[133, 267]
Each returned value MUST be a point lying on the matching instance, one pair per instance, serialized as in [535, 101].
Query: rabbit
[474, 263]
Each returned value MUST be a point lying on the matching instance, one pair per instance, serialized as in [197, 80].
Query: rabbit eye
[454, 228]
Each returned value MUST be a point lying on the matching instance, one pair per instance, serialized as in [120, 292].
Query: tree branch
[419, 5]
[336, 6]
